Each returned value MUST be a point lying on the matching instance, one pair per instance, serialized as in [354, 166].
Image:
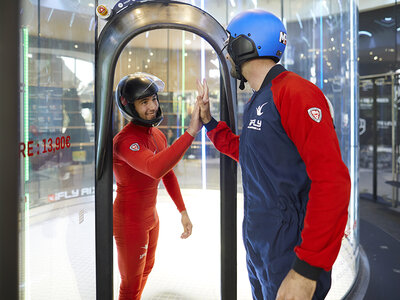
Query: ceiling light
[364, 32]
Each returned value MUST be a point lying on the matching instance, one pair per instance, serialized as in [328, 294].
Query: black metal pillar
[104, 225]
[9, 39]
[375, 143]
[228, 182]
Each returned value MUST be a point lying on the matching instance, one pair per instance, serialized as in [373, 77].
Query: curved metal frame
[137, 18]
[141, 18]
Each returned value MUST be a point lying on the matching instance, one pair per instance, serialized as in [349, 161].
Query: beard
[234, 73]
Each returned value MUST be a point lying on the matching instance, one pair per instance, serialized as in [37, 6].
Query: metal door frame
[138, 17]
[9, 158]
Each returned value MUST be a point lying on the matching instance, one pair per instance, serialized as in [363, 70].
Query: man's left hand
[187, 225]
[296, 287]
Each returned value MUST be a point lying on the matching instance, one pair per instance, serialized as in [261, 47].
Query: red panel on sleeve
[225, 140]
[306, 119]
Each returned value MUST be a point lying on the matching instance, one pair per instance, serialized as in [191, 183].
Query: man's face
[147, 107]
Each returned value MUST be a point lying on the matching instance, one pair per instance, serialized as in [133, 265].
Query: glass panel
[380, 90]
[57, 253]
[322, 48]
[179, 58]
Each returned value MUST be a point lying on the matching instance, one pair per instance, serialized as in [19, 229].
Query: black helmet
[138, 86]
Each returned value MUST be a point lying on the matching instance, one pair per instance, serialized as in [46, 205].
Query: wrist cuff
[305, 269]
[211, 125]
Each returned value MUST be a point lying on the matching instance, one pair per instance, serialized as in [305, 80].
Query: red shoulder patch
[315, 114]
[135, 147]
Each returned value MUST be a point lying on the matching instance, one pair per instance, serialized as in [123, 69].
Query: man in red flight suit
[141, 158]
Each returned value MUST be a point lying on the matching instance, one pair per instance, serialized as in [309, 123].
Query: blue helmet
[256, 33]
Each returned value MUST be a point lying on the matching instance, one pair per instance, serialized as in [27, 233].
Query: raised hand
[203, 101]
[195, 122]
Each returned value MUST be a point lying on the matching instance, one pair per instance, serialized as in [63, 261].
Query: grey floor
[380, 238]
[59, 253]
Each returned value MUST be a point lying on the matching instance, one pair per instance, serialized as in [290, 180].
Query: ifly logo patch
[315, 114]
[255, 124]
[135, 147]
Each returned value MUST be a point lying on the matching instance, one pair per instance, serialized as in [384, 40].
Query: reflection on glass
[57, 152]
[322, 48]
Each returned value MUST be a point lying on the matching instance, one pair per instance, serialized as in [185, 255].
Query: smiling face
[147, 107]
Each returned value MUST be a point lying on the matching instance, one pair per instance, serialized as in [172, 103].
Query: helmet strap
[242, 81]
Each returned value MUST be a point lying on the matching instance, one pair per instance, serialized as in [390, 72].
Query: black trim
[305, 269]
[103, 206]
[211, 125]
[10, 156]
[228, 182]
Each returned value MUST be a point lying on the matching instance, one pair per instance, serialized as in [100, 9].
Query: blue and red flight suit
[296, 186]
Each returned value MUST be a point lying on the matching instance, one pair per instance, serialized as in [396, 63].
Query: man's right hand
[195, 122]
[203, 101]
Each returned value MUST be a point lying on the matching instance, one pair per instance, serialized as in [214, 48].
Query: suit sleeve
[134, 153]
[172, 186]
[329, 195]
[223, 138]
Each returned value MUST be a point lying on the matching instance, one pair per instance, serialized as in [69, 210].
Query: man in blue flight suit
[296, 186]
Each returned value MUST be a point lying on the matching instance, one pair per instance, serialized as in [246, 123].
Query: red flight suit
[140, 159]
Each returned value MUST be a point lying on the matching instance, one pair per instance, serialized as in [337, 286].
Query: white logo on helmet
[282, 38]
[135, 147]
[315, 114]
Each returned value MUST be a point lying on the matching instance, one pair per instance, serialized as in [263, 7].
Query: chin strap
[240, 77]
[242, 81]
